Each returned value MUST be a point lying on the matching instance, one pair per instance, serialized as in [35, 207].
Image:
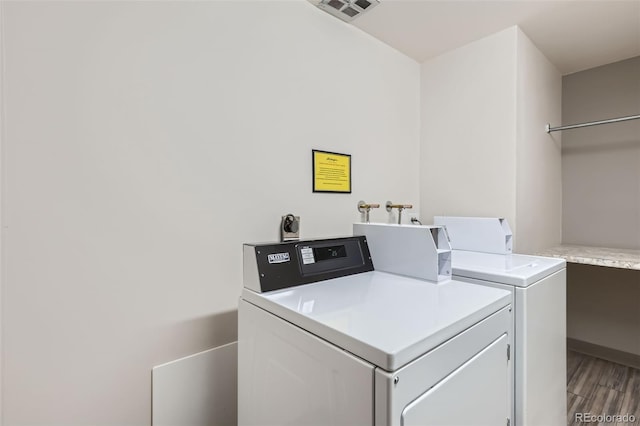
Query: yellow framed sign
[331, 172]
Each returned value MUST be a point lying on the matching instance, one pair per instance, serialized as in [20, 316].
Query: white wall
[602, 307]
[143, 143]
[601, 164]
[468, 114]
[601, 201]
[2, 137]
[484, 151]
[538, 154]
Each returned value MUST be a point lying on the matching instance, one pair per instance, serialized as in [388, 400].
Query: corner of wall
[2, 137]
[2, 127]
[538, 154]
[468, 118]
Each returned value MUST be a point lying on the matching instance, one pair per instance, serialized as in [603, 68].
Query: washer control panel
[273, 266]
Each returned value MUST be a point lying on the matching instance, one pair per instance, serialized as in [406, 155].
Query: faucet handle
[362, 206]
[366, 208]
[390, 206]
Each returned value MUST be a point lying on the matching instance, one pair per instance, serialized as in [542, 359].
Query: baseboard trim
[613, 355]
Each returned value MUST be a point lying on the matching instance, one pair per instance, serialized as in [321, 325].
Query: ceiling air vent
[347, 10]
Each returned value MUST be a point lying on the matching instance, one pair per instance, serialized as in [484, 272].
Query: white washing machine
[538, 285]
[323, 339]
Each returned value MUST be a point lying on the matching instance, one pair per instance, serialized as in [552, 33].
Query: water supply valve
[400, 207]
[366, 208]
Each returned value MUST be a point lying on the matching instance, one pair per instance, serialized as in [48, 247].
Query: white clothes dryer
[324, 339]
[538, 285]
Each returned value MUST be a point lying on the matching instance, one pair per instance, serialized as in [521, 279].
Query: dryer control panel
[274, 266]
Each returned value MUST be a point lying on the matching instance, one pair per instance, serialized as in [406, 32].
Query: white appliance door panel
[541, 352]
[477, 393]
[395, 390]
[512, 337]
[287, 376]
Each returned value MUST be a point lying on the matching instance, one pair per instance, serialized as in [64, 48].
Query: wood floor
[600, 388]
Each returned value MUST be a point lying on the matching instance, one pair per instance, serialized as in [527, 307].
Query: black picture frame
[331, 172]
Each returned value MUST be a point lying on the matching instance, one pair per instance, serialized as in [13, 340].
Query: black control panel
[289, 264]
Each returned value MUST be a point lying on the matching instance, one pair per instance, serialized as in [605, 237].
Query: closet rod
[550, 129]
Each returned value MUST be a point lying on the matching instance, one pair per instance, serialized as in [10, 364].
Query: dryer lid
[386, 319]
[514, 269]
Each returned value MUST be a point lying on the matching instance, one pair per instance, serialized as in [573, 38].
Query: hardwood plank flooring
[596, 387]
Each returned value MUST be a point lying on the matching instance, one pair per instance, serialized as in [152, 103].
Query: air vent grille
[336, 4]
[347, 10]
[350, 11]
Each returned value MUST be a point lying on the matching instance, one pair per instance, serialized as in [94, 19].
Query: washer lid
[386, 319]
[515, 269]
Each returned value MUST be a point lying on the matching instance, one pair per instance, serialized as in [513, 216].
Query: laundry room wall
[601, 202]
[538, 154]
[484, 151]
[2, 119]
[143, 143]
[468, 130]
[601, 164]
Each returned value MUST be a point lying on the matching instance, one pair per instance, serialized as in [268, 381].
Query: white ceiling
[574, 34]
